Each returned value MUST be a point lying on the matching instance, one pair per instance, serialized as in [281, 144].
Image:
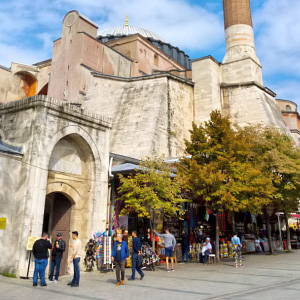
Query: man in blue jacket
[119, 256]
[136, 251]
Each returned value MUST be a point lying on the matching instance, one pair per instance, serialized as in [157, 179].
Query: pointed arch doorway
[57, 218]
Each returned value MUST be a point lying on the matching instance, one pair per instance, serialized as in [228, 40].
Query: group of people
[120, 254]
[40, 252]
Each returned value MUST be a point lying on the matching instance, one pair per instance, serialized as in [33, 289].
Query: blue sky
[28, 29]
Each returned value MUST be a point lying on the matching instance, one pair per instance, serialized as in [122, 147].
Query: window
[288, 108]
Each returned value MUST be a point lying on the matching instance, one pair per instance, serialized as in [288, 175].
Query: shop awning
[128, 168]
[295, 216]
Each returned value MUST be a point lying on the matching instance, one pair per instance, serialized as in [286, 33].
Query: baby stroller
[149, 257]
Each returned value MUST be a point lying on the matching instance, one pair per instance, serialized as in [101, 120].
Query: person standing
[120, 255]
[237, 250]
[185, 246]
[136, 251]
[41, 255]
[205, 251]
[170, 244]
[75, 259]
[57, 254]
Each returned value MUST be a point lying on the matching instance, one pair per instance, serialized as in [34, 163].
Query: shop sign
[2, 223]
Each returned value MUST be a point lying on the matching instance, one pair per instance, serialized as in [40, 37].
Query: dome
[129, 30]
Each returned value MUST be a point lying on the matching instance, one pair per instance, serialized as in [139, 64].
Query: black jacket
[58, 252]
[40, 249]
[136, 245]
[184, 241]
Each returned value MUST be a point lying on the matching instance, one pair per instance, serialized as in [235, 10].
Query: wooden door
[61, 223]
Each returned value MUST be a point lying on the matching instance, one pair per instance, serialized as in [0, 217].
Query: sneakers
[142, 277]
[70, 283]
[172, 270]
[45, 284]
[123, 282]
[35, 284]
[131, 279]
[118, 283]
[168, 270]
[55, 281]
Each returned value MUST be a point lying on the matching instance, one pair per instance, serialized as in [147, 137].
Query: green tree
[152, 191]
[277, 153]
[222, 170]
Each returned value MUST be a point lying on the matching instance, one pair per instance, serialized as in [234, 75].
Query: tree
[153, 191]
[222, 170]
[277, 153]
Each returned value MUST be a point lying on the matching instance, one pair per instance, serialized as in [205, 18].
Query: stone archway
[71, 169]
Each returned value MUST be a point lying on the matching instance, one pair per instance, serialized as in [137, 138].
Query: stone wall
[150, 114]
[206, 76]
[38, 124]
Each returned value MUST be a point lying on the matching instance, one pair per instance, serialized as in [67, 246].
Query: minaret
[240, 45]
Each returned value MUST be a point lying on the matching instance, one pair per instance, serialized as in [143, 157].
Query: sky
[28, 29]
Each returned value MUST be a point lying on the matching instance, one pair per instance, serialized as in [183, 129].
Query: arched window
[288, 108]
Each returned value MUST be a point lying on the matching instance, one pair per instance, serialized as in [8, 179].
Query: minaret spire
[240, 45]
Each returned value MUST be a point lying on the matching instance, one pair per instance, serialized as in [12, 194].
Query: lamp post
[279, 227]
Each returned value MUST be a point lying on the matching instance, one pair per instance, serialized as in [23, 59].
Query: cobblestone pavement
[263, 277]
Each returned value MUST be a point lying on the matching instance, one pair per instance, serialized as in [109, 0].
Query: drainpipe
[110, 198]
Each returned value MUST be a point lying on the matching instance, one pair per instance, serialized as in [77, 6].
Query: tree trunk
[269, 232]
[288, 236]
[233, 221]
[217, 241]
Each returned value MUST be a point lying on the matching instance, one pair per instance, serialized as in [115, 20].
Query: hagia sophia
[113, 97]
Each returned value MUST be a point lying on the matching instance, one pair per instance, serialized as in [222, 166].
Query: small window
[155, 59]
[288, 108]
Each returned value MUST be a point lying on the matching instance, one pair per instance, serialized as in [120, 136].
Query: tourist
[205, 251]
[119, 256]
[41, 255]
[237, 250]
[59, 247]
[136, 251]
[170, 244]
[75, 259]
[185, 246]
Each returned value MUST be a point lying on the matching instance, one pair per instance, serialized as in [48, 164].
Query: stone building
[126, 92]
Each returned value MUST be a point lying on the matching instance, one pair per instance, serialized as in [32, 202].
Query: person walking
[120, 255]
[76, 254]
[237, 250]
[136, 251]
[184, 246]
[57, 254]
[41, 255]
[205, 251]
[170, 244]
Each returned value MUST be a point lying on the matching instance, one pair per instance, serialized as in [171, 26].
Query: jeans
[134, 257]
[185, 251]
[39, 268]
[120, 268]
[55, 263]
[204, 258]
[76, 277]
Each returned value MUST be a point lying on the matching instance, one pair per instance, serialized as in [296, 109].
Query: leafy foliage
[277, 153]
[222, 169]
[152, 191]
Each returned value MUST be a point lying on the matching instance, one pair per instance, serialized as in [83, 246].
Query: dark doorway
[57, 219]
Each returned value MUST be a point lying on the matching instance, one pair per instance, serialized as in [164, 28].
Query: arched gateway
[58, 179]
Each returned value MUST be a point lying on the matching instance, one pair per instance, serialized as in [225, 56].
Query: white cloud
[277, 25]
[179, 22]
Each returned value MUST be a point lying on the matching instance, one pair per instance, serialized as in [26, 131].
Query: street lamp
[279, 227]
